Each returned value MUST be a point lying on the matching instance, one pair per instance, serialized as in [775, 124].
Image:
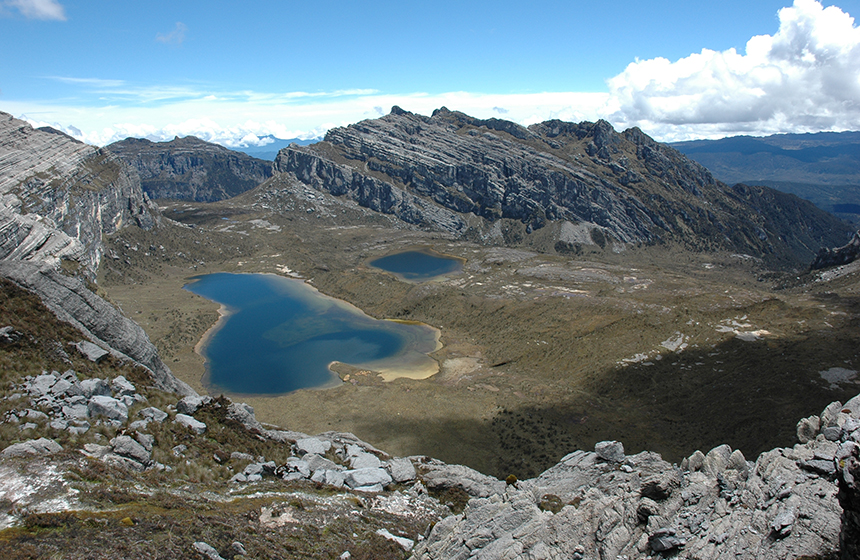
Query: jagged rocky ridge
[58, 198]
[467, 176]
[191, 169]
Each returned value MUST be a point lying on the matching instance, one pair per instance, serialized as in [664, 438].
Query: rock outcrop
[58, 199]
[191, 169]
[786, 504]
[71, 301]
[828, 257]
[624, 188]
[53, 183]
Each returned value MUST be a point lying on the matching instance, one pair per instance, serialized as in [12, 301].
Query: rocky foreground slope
[498, 181]
[592, 504]
[191, 169]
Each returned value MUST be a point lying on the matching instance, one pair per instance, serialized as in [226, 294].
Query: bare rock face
[71, 301]
[191, 169]
[55, 185]
[828, 257]
[622, 188]
[58, 198]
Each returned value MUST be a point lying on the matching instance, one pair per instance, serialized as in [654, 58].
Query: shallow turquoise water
[418, 265]
[281, 335]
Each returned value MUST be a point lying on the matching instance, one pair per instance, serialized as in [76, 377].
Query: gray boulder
[41, 446]
[364, 461]
[807, 429]
[125, 446]
[90, 351]
[401, 469]
[108, 407]
[189, 405]
[612, 451]
[244, 414]
[312, 445]
[190, 422]
[717, 460]
[95, 387]
[206, 551]
[367, 480]
[153, 414]
[121, 386]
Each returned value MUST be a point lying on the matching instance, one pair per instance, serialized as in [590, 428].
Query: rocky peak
[629, 188]
[189, 168]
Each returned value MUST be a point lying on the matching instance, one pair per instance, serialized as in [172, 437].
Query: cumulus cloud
[38, 9]
[806, 77]
[175, 37]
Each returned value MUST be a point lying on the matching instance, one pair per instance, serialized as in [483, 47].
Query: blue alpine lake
[418, 265]
[278, 335]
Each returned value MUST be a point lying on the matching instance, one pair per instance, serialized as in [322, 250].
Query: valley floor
[542, 354]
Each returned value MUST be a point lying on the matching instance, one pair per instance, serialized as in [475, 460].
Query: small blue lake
[278, 335]
[418, 265]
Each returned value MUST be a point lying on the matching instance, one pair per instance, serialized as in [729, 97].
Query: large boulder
[41, 446]
[108, 407]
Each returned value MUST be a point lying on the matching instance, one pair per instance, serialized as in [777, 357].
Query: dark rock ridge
[191, 169]
[64, 185]
[58, 198]
[848, 253]
[624, 188]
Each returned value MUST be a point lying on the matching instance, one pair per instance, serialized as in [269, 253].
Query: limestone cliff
[58, 198]
[80, 190]
[624, 187]
[191, 169]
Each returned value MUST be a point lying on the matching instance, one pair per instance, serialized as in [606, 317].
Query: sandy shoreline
[223, 314]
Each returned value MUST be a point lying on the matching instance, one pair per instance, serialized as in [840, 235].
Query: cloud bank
[38, 9]
[806, 77]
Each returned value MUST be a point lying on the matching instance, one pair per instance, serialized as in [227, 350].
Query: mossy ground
[532, 365]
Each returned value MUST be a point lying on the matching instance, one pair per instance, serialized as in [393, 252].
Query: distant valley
[823, 168]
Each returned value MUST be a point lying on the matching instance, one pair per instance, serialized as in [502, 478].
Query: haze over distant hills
[823, 167]
[270, 151]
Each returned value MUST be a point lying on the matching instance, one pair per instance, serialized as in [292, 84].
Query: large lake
[418, 265]
[278, 335]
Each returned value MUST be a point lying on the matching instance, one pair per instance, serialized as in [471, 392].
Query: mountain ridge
[625, 187]
[189, 168]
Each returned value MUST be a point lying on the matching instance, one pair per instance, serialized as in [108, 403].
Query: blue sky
[232, 72]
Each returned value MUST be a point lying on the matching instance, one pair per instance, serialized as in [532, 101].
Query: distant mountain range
[823, 168]
[270, 150]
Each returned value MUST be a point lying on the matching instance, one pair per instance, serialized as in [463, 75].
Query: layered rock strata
[622, 187]
[58, 198]
[605, 504]
[67, 186]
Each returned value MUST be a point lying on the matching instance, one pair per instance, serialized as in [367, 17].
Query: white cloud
[175, 37]
[99, 83]
[38, 9]
[806, 77]
[229, 118]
